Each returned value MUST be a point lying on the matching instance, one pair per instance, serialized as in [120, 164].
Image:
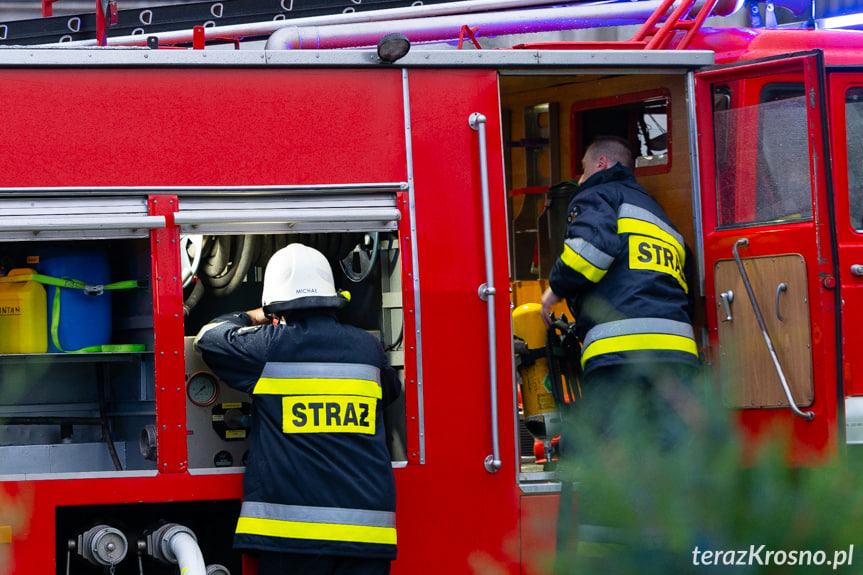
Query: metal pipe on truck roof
[261, 29]
[442, 28]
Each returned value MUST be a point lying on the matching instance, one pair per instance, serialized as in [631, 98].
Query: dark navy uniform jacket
[623, 271]
[319, 477]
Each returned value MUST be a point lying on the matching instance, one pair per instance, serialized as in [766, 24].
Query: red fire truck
[178, 172]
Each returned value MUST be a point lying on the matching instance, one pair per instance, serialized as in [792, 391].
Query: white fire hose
[188, 554]
[177, 545]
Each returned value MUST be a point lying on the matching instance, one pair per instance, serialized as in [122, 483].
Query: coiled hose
[224, 261]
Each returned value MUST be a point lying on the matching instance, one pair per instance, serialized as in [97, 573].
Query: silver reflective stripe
[283, 370]
[636, 213]
[307, 514]
[636, 327]
[590, 252]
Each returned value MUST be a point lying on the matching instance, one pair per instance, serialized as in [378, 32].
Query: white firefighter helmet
[299, 277]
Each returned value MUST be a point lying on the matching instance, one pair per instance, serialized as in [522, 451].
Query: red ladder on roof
[660, 37]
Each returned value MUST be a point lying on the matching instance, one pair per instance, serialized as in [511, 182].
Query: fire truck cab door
[767, 257]
[845, 90]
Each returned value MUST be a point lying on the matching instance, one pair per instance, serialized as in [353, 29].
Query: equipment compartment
[82, 410]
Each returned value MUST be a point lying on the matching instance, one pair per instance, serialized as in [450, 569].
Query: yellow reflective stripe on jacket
[581, 265]
[643, 228]
[318, 531]
[638, 342]
[321, 523]
[317, 386]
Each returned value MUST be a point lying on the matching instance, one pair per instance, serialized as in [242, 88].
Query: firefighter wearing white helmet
[319, 492]
[299, 277]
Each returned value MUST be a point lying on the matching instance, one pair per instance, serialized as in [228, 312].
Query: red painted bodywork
[455, 362]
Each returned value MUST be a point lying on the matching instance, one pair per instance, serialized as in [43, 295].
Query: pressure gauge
[202, 388]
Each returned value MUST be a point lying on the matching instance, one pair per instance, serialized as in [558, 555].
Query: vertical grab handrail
[807, 415]
[487, 290]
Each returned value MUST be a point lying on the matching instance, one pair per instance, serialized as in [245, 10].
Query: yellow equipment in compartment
[23, 313]
[541, 414]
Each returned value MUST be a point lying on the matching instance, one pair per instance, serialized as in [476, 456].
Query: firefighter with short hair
[623, 272]
[319, 492]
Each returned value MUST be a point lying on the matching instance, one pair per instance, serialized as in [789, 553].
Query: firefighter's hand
[258, 316]
[549, 298]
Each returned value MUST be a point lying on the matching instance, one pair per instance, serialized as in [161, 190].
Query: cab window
[854, 143]
[762, 155]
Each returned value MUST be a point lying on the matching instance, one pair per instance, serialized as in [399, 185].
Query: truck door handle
[487, 290]
[727, 297]
[857, 270]
[779, 289]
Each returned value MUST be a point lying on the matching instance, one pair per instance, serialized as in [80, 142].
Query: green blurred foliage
[644, 510]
